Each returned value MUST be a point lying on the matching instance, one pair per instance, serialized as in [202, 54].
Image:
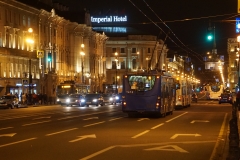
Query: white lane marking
[176, 135]
[140, 134]
[221, 132]
[115, 119]
[29, 124]
[83, 137]
[176, 117]
[83, 115]
[168, 148]
[50, 134]
[41, 117]
[199, 121]
[157, 126]
[4, 145]
[94, 124]
[5, 128]
[90, 118]
[8, 135]
[142, 119]
[142, 145]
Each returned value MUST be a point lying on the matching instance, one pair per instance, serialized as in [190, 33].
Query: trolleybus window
[141, 82]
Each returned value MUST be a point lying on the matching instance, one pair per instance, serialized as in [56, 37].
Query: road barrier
[234, 150]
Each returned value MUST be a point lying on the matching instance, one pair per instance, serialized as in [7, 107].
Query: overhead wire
[164, 31]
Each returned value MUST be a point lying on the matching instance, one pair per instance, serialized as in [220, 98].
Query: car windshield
[92, 95]
[75, 96]
[106, 95]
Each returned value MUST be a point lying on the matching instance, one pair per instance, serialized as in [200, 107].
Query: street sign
[40, 53]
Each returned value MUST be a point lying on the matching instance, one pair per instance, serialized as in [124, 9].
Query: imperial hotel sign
[109, 19]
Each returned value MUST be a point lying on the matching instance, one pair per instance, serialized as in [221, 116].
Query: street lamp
[30, 41]
[116, 59]
[82, 55]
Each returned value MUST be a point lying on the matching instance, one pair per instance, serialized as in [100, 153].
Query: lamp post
[116, 59]
[82, 55]
[30, 41]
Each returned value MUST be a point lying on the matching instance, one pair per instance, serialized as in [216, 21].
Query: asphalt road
[56, 132]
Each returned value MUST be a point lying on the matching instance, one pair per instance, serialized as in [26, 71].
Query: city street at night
[58, 132]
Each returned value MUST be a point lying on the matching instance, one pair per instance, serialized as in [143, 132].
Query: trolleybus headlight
[68, 100]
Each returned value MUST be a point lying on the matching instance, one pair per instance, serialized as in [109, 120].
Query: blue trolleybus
[153, 93]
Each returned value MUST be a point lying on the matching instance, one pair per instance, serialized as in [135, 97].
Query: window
[114, 50]
[0, 13]
[29, 22]
[10, 16]
[24, 20]
[122, 50]
[134, 50]
[123, 65]
[149, 50]
[134, 64]
[114, 65]
[6, 16]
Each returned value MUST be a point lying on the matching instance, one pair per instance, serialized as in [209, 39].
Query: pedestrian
[238, 100]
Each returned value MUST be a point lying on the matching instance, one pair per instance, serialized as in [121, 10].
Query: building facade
[54, 56]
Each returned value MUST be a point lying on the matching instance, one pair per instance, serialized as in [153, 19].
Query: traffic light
[49, 57]
[210, 36]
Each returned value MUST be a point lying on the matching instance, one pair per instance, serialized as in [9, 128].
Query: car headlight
[94, 100]
[116, 97]
[58, 99]
[68, 100]
[111, 99]
[82, 100]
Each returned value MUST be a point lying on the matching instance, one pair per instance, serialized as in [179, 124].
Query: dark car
[225, 98]
[61, 99]
[194, 97]
[9, 101]
[117, 98]
[75, 99]
[93, 99]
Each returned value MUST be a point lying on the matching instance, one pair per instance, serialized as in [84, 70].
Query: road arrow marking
[8, 135]
[83, 137]
[198, 121]
[90, 118]
[168, 148]
[143, 119]
[176, 135]
[41, 117]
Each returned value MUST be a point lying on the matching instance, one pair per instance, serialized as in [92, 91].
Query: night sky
[189, 35]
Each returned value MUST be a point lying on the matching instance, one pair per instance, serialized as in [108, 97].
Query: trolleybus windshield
[141, 82]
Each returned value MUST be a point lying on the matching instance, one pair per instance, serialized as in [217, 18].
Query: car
[9, 101]
[75, 99]
[61, 99]
[118, 98]
[108, 99]
[225, 98]
[93, 99]
[194, 97]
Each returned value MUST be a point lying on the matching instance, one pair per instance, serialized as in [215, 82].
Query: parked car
[225, 98]
[194, 97]
[9, 101]
[94, 99]
[75, 99]
[108, 99]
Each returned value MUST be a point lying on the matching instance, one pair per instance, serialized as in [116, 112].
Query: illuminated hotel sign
[109, 19]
